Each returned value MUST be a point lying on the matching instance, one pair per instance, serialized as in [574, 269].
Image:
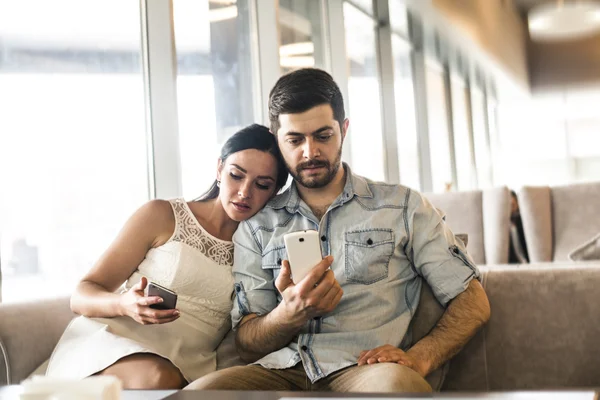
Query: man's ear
[344, 127]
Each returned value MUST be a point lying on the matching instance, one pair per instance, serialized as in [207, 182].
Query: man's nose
[311, 150]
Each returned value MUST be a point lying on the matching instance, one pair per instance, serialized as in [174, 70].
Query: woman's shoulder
[158, 218]
[158, 208]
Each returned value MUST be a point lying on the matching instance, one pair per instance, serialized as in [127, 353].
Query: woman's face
[248, 180]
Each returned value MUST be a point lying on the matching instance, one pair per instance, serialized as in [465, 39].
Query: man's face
[311, 145]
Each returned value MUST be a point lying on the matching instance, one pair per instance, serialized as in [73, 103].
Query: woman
[185, 247]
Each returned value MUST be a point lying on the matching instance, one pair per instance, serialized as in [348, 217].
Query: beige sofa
[543, 332]
[558, 219]
[484, 215]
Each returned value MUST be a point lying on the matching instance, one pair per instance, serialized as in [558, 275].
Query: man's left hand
[389, 353]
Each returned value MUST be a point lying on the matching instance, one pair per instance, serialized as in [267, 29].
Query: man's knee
[391, 378]
[234, 378]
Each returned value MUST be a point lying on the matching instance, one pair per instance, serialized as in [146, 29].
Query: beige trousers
[383, 377]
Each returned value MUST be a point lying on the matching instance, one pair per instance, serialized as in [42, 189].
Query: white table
[13, 392]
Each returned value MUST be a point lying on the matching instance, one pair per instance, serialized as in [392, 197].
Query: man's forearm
[258, 336]
[463, 317]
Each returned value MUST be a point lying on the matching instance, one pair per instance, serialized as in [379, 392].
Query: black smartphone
[169, 297]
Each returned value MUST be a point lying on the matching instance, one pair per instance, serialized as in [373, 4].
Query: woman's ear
[219, 169]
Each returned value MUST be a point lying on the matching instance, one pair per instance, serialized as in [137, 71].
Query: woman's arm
[150, 226]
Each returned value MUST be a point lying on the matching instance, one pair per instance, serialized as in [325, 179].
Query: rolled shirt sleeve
[437, 255]
[255, 292]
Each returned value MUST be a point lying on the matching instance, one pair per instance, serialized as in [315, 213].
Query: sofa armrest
[28, 334]
[496, 224]
[535, 204]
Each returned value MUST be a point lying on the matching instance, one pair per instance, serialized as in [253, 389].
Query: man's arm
[317, 294]
[258, 336]
[463, 317]
[450, 272]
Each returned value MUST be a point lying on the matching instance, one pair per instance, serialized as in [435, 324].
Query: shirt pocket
[368, 254]
[273, 258]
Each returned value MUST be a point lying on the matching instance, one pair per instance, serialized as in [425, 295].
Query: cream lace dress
[197, 266]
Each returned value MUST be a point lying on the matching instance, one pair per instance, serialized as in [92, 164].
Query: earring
[218, 184]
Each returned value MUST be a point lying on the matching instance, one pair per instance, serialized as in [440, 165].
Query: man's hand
[315, 295]
[389, 353]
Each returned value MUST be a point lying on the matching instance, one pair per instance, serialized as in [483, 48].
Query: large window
[465, 169]
[565, 122]
[364, 100]
[73, 162]
[483, 157]
[215, 96]
[439, 143]
[526, 125]
[399, 16]
[408, 151]
[301, 35]
[582, 125]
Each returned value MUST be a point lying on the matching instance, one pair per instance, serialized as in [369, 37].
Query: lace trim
[189, 231]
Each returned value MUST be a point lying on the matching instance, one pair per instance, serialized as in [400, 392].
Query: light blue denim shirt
[384, 239]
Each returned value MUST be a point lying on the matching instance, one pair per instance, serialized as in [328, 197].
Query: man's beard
[316, 182]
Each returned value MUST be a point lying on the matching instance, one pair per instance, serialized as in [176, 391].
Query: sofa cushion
[496, 224]
[463, 211]
[542, 333]
[575, 216]
[590, 250]
[26, 352]
[536, 214]
[227, 355]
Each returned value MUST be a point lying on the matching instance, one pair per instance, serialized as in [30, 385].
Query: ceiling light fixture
[564, 20]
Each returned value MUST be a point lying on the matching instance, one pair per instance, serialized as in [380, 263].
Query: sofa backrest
[535, 205]
[484, 216]
[575, 217]
[542, 333]
[556, 220]
[27, 352]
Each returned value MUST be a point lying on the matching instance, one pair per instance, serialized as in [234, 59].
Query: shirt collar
[355, 186]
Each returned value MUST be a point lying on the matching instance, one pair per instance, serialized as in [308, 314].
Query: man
[343, 327]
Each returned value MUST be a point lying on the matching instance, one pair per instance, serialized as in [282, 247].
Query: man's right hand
[317, 294]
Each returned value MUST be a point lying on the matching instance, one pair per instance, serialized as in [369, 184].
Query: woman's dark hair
[302, 90]
[255, 137]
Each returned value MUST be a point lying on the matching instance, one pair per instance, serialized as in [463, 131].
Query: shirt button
[279, 261]
[370, 242]
[323, 238]
[303, 348]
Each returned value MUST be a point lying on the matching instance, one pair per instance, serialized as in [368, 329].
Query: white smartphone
[304, 252]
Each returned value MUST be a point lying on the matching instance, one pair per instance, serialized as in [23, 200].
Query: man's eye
[293, 142]
[234, 176]
[324, 138]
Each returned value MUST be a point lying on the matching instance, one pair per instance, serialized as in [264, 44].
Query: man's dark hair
[302, 90]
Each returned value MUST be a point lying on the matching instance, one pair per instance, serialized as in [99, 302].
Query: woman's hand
[136, 305]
